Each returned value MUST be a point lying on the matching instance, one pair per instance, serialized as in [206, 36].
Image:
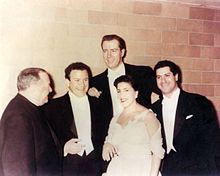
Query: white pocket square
[189, 116]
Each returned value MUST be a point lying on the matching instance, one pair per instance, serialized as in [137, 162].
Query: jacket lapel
[55, 139]
[68, 112]
[106, 95]
[128, 69]
[106, 86]
[92, 115]
[159, 117]
[180, 111]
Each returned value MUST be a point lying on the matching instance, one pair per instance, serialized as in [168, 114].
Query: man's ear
[176, 77]
[67, 82]
[122, 53]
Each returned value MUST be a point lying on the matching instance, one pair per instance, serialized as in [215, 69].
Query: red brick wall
[189, 35]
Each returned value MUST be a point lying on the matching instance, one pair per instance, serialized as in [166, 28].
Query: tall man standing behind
[189, 126]
[72, 117]
[114, 52]
[28, 146]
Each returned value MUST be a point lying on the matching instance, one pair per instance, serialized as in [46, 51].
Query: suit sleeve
[208, 132]
[18, 155]
[146, 81]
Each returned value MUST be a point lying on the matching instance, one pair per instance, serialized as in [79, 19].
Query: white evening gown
[134, 147]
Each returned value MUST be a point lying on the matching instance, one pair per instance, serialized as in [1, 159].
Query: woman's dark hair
[127, 79]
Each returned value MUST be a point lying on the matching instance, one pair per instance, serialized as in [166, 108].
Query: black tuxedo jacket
[195, 132]
[144, 77]
[60, 115]
[27, 146]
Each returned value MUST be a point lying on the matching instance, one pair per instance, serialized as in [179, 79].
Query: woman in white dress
[134, 143]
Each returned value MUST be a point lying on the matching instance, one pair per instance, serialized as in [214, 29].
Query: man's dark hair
[122, 44]
[127, 79]
[77, 66]
[28, 76]
[175, 69]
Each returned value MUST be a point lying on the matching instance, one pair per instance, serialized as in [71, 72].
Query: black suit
[27, 146]
[144, 77]
[194, 137]
[60, 115]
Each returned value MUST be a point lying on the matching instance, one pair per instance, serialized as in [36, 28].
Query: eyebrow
[164, 73]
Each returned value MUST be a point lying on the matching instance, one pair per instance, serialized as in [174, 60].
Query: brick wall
[53, 33]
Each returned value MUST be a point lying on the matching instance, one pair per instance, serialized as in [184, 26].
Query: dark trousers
[86, 165]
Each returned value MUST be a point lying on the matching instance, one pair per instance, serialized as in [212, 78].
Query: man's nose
[109, 53]
[82, 83]
[163, 79]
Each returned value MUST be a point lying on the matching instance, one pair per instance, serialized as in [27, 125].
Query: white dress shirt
[112, 75]
[82, 117]
[169, 106]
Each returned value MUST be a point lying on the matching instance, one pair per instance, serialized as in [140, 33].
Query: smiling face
[166, 81]
[79, 82]
[112, 54]
[126, 94]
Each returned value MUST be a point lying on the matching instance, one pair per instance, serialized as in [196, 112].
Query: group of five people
[107, 124]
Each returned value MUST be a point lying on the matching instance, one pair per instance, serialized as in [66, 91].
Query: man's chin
[81, 94]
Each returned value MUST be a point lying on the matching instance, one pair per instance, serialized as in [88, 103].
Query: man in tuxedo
[72, 117]
[189, 126]
[114, 52]
[28, 145]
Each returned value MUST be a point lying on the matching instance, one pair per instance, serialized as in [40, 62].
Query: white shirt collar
[174, 96]
[77, 98]
[169, 113]
[112, 75]
[120, 70]
[82, 118]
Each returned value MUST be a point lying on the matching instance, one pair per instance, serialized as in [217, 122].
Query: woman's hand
[109, 151]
